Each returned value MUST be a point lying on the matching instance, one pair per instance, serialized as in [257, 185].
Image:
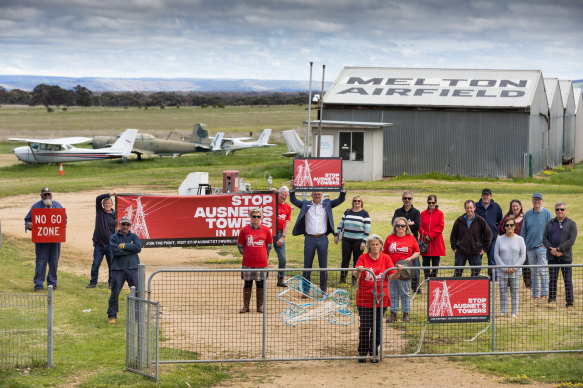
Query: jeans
[399, 289]
[503, 282]
[460, 260]
[434, 262]
[280, 256]
[46, 254]
[98, 252]
[350, 247]
[538, 256]
[117, 280]
[567, 278]
[311, 245]
[491, 261]
[365, 335]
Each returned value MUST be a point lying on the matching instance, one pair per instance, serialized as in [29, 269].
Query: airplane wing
[59, 141]
[237, 138]
[125, 143]
[217, 141]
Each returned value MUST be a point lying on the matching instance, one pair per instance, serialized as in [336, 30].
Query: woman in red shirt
[254, 243]
[376, 262]
[431, 230]
[400, 245]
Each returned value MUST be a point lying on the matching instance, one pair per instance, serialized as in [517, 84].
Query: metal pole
[307, 135]
[493, 305]
[264, 339]
[50, 327]
[141, 315]
[321, 111]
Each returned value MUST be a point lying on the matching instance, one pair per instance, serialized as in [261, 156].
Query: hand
[362, 246]
[427, 238]
[342, 185]
[336, 240]
[292, 183]
[280, 242]
[29, 226]
[481, 252]
[112, 194]
[120, 246]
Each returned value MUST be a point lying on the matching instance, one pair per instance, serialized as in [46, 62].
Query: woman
[431, 231]
[378, 263]
[515, 211]
[355, 227]
[254, 243]
[400, 245]
[510, 251]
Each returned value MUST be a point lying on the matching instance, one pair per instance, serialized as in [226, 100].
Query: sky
[277, 39]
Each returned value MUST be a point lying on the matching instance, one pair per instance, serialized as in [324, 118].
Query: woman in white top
[510, 251]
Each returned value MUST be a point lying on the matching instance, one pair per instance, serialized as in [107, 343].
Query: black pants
[554, 277]
[434, 262]
[365, 335]
[349, 247]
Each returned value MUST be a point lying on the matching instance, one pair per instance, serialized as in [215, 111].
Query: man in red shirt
[283, 219]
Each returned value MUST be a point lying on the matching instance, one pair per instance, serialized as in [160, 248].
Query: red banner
[459, 300]
[49, 225]
[202, 220]
[318, 174]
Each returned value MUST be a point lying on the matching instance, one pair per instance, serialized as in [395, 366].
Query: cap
[537, 195]
[125, 219]
[46, 190]
[487, 191]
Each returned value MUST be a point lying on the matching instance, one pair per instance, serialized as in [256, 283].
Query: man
[315, 222]
[533, 227]
[492, 213]
[105, 220]
[125, 247]
[46, 253]
[559, 236]
[283, 219]
[413, 217]
[470, 238]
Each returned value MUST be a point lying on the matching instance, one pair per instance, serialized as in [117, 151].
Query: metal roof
[551, 85]
[565, 86]
[348, 124]
[577, 94]
[387, 86]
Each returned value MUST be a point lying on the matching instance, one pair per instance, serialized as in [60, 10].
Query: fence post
[141, 315]
[50, 327]
[264, 339]
[493, 309]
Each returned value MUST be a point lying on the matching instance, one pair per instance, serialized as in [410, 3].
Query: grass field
[90, 361]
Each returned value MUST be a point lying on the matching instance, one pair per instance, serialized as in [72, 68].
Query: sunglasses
[126, 224]
[408, 198]
[46, 195]
[357, 200]
[431, 202]
[400, 226]
[559, 209]
[255, 216]
[507, 225]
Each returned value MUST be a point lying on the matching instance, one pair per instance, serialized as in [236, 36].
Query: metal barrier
[200, 320]
[26, 329]
[142, 336]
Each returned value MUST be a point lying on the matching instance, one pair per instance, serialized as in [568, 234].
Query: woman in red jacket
[431, 230]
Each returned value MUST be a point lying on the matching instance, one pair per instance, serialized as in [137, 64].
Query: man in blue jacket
[492, 213]
[315, 222]
[125, 247]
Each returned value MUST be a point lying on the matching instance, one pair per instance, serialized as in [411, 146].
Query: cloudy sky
[277, 39]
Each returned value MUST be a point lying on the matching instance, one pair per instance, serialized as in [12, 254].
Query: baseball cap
[46, 190]
[125, 219]
[487, 191]
[537, 195]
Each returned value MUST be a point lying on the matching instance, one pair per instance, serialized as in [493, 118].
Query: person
[413, 217]
[354, 228]
[431, 230]
[470, 238]
[516, 211]
[533, 227]
[376, 262]
[105, 221]
[283, 219]
[558, 238]
[489, 210]
[125, 247]
[315, 222]
[46, 253]
[509, 251]
[401, 245]
[254, 242]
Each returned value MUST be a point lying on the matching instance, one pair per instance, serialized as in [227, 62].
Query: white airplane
[61, 150]
[295, 145]
[232, 144]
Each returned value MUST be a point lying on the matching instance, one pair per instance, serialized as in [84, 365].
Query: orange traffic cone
[61, 172]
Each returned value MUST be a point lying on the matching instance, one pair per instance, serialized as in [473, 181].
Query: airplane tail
[294, 143]
[264, 138]
[216, 143]
[125, 143]
[199, 131]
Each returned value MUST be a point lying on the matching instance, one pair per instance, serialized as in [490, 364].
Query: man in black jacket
[413, 217]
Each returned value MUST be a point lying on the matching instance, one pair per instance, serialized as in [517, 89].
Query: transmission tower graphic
[304, 178]
[440, 304]
[139, 226]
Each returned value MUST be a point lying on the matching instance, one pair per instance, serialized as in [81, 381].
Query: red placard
[201, 220]
[49, 225]
[458, 300]
[321, 174]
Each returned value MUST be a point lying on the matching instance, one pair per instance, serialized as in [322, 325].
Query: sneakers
[91, 285]
[392, 318]
[39, 289]
[112, 320]
[280, 283]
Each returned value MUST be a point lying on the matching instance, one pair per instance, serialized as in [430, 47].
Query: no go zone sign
[48, 225]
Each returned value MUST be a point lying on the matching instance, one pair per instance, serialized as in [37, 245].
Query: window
[351, 146]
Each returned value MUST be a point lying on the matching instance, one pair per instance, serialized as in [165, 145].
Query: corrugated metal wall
[569, 135]
[468, 143]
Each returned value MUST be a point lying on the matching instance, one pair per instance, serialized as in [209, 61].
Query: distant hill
[28, 83]
[578, 83]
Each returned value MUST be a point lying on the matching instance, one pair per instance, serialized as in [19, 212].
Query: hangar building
[455, 121]
[556, 126]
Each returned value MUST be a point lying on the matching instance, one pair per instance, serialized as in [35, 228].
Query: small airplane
[149, 144]
[62, 150]
[295, 145]
[232, 144]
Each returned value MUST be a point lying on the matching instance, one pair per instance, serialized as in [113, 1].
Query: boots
[392, 318]
[406, 317]
[280, 283]
[246, 300]
[259, 300]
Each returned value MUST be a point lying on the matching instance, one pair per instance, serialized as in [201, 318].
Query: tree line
[52, 95]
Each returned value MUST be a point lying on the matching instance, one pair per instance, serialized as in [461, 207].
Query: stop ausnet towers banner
[459, 300]
[202, 220]
[321, 174]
